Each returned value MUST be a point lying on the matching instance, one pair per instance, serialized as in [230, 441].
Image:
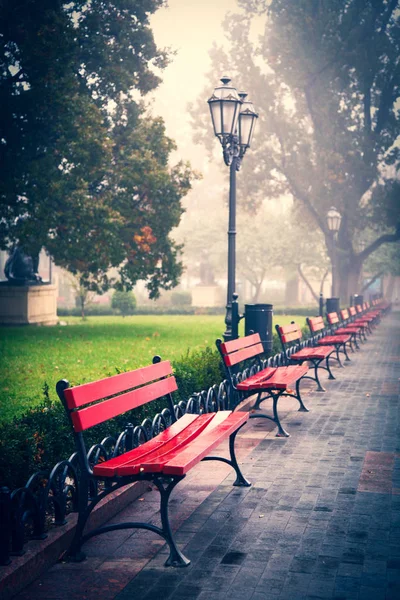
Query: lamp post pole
[233, 120]
[333, 219]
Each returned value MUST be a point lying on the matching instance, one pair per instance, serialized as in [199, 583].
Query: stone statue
[22, 269]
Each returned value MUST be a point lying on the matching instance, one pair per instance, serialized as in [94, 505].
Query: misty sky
[190, 27]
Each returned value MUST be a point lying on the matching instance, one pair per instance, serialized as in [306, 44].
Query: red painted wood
[283, 378]
[334, 339]
[109, 467]
[98, 413]
[259, 377]
[240, 355]
[344, 314]
[204, 444]
[332, 318]
[90, 392]
[292, 337]
[316, 323]
[289, 328]
[240, 343]
[158, 457]
[320, 352]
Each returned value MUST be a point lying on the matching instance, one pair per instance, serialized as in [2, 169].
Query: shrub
[42, 436]
[181, 298]
[123, 302]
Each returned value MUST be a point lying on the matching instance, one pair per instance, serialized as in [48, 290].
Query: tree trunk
[348, 274]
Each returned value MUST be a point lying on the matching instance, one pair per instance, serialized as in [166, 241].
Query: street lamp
[233, 118]
[333, 219]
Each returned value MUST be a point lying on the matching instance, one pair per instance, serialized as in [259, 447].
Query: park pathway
[321, 520]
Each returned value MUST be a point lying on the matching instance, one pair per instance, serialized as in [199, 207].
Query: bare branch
[371, 281]
[386, 238]
[308, 284]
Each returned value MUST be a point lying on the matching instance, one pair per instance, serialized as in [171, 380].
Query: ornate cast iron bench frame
[256, 379]
[163, 460]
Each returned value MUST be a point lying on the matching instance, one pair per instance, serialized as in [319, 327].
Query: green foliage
[123, 302]
[88, 350]
[82, 162]
[181, 298]
[42, 436]
[325, 78]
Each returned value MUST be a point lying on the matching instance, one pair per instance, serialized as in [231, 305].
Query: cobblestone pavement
[321, 520]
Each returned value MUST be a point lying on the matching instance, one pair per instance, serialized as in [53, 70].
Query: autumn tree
[325, 77]
[84, 168]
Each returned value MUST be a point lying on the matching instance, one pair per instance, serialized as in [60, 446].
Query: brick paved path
[321, 520]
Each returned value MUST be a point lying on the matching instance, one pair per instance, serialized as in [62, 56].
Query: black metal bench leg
[74, 553]
[337, 357]
[328, 368]
[176, 558]
[319, 386]
[240, 481]
[281, 431]
[347, 359]
[303, 407]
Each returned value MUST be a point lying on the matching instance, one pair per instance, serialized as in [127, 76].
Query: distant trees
[325, 77]
[124, 302]
[84, 168]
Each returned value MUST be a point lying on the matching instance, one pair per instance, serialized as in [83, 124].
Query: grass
[35, 358]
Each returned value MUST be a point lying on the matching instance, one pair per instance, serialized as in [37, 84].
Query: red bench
[340, 327]
[317, 326]
[258, 380]
[315, 355]
[163, 460]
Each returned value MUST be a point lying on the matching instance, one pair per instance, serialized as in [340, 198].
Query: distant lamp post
[333, 219]
[233, 118]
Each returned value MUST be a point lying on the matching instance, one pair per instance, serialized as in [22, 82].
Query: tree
[272, 240]
[82, 163]
[83, 295]
[124, 302]
[325, 77]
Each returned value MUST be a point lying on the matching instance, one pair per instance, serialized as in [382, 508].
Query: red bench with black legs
[163, 460]
[340, 328]
[255, 380]
[315, 355]
[356, 318]
[317, 326]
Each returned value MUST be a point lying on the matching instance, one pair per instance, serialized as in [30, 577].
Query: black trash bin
[258, 319]
[332, 305]
[358, 299]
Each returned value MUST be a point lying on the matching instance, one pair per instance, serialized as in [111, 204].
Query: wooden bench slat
[283, 378]
[239, 343]
[319, 352]
[159, 455]
[334, 339]
[108, 468]
[236, 357]
[98, 413]
[97, 390]
[204, 444]
[316, 323]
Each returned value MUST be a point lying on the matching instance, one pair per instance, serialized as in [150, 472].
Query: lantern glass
[247, 123]
[224, 107]
[333, 219]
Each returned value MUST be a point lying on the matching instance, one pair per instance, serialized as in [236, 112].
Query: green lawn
[35, 357]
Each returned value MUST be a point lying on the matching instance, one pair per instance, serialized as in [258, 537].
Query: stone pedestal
[207, 296]
[28, 305]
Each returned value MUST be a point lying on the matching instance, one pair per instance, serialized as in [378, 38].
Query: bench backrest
[359, 308]
[315, 324]
[333, 318]
[92, 403]
[344, 313]
[352, 311]
[239, 350]
[289, 333]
